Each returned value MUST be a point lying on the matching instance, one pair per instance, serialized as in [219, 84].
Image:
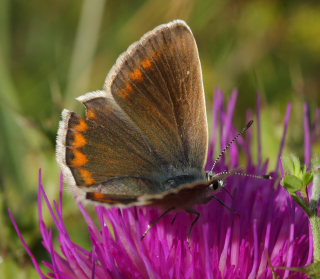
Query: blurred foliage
[53, 51]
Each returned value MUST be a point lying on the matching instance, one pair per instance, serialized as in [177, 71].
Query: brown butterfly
[144, 139]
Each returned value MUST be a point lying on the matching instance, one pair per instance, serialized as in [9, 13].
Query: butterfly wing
[183, 197]
[147, 125]
[158, 84]
[106, 145]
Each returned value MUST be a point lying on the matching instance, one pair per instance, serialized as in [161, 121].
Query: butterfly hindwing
[104, 145]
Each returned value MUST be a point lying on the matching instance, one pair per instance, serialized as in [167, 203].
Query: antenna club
[264, 176]
[249, 124]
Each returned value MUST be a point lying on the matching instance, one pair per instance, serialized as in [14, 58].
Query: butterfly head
[217, 182]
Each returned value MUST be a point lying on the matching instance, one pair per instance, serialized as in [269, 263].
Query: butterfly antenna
[228, 173]
[230, 143]
[263, 176]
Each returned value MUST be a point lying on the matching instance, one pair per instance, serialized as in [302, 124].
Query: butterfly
[144, 138]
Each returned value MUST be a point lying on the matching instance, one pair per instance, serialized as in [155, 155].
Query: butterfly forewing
[158, 83]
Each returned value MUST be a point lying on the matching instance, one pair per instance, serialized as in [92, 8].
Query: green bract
[296, 177]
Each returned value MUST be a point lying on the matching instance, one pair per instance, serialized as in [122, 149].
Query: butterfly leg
[174, 219]
[150, 226]
[224, 205]
[194, 212]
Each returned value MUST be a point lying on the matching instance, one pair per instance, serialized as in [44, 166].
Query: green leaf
[296, 165]
[292, 183]
[313, 270]
[307, 178]
[304, 169]
[287, 164]
[292, 165]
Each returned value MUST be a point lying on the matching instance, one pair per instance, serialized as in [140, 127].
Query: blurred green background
[54, 51]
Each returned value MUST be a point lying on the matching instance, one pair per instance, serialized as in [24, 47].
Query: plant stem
[303, 204]
[314, 218]
[315, 226]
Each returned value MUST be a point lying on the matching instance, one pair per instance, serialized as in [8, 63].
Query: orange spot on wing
[82, 126]
[129, 87]
[146, 63]
[136, 75]
[91, 113]
[79, 159]
[101, 197]
[98, 195]
[87, 177]
[106, 198]
[156, 55]
[124, 93]
[79, 140]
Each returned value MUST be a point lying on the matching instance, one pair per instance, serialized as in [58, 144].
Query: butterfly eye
[217, 184]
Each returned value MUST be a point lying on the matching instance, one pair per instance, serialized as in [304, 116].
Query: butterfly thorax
[174, 182]
[172, 177]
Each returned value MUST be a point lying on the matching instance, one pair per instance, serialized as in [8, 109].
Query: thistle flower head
[269, 225]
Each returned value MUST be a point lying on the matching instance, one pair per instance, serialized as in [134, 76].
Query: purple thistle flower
[269, 224]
